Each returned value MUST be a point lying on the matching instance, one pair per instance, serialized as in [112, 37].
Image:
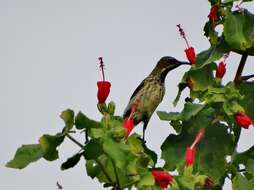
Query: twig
[240, 68]
[247, 77]
[96, 160]
[75, 141]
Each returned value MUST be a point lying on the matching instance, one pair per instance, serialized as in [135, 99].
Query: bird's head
[166, 64]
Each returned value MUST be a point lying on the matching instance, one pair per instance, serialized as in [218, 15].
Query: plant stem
[117, 178]
[96, 160]
[75, 141]
[104, 170]
[240, 68]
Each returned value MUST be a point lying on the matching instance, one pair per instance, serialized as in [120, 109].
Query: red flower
[128, 124]
[243, 120]
[103, 91]
[103, 86]
[162, 178]
[213, 15]
[189, 156]
[190, 151]
[221, 70]
[190, 53]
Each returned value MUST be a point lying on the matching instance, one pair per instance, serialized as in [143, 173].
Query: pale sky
[48, 59]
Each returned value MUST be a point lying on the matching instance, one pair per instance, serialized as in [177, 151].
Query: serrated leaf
[247, 90]
[191, 110]
[83, 122]
[68, 118]
[49, 144]
[25, 155]
[147, 179]
[71, 162]
[210, 152]
[92, 168]
[239, 31]
[209, 56]
[239, 182]
[118, 152]
[93, 149]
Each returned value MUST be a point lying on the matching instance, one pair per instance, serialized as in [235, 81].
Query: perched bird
[150, 91]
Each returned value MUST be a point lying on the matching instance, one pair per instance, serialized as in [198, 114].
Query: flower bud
[103, 91]
[190, 53]
[243, 120]
[162, 178]
[189, 156]
[128, 124]
[221, 70]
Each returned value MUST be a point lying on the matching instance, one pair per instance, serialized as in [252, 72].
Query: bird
[150, 92]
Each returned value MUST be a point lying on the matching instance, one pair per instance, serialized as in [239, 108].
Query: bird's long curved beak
[184, 63]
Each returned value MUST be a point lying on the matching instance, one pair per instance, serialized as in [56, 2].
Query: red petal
[221, 70]
[213, 13]
[162, 178]
[243, 120]
[189, 156]
[103, 91]
[129, 125]
[190, 53]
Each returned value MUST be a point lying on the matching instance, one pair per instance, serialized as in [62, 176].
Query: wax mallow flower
[213, 15]
[128, 123]
[221, 70]
[190, 151]
[189, 51]
[162, 178]
[103, 86]
[243, 120]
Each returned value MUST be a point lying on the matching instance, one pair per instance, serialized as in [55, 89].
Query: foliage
[120, 162]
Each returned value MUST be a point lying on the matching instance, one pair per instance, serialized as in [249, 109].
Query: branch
[247, 77]
[97, 160]
[240, 68]
[75, 141]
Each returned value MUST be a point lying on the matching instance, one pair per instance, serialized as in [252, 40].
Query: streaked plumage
[151, 91]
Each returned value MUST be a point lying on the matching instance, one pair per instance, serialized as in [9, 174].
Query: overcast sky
[48, 59]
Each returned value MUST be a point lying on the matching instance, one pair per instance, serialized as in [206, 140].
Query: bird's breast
[152, 95]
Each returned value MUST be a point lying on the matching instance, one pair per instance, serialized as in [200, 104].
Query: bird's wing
[128, 108]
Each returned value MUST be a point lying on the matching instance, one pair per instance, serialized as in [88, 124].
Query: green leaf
[93, 149]
[239, 31]
[83, 122]
[151, 154]
[68, 117]
[147, 179]
[71, 162]
[247, 90]
[243, 157]
[185, 182]
[239, 182]
[165, 116]
[25, 155]
[191, 110]
[210, 152]
[92, 168]
[209, 56]
[118, 152]
[49, 144]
